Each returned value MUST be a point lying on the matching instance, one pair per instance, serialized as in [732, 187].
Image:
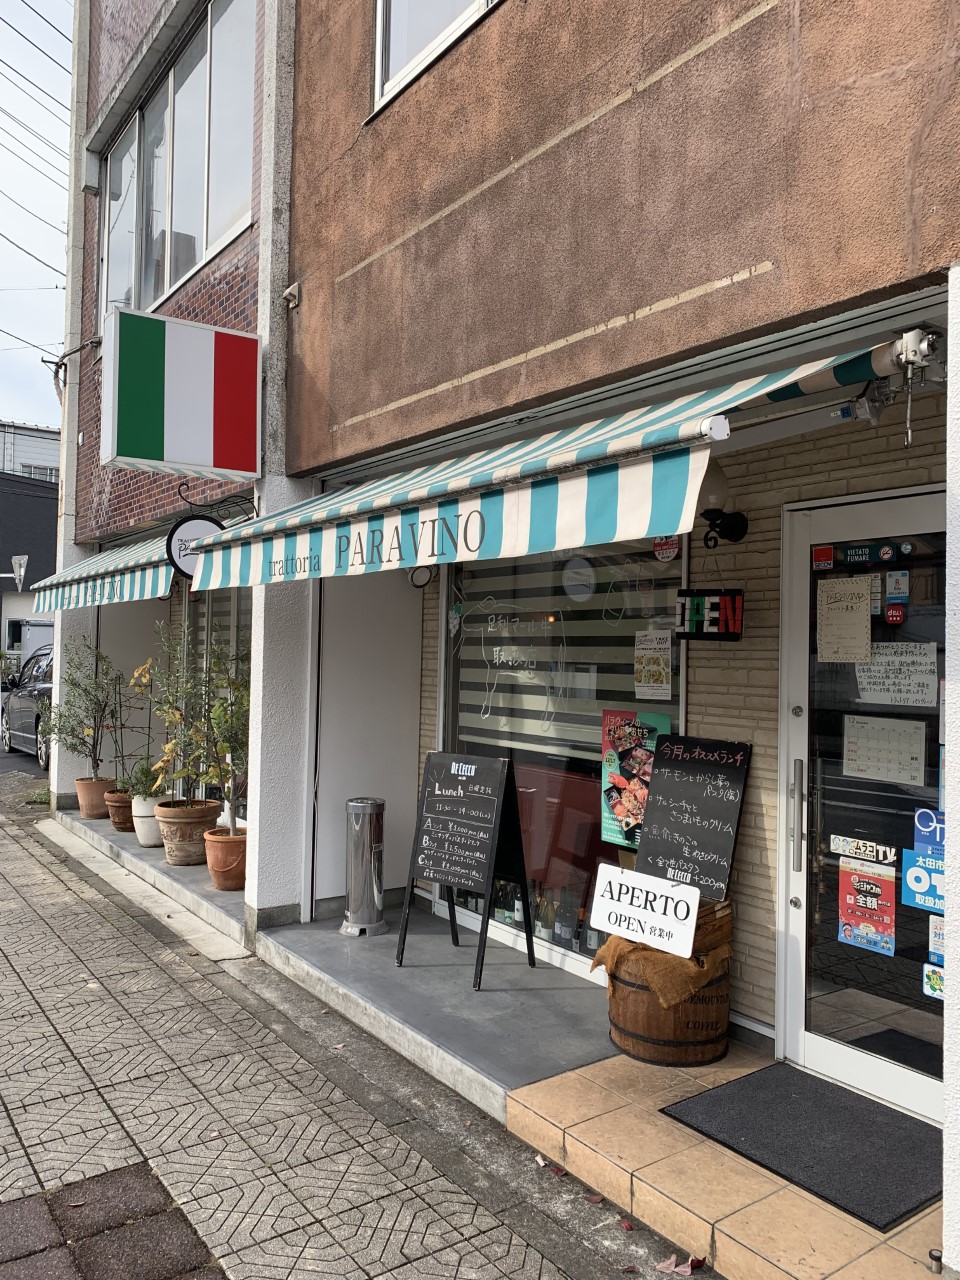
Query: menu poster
[868, 906]
[900, 675]
[843, 619]
[693, 812]
[652, 658]
[627, 741]
[884, 749]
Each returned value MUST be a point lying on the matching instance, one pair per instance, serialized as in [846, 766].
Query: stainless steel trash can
[364, 906]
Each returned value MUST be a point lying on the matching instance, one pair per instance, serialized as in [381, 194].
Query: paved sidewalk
[294, 1144]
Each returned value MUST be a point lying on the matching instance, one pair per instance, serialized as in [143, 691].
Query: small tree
[181, 699]
[228, 723]
[144, 780]
[88, 708]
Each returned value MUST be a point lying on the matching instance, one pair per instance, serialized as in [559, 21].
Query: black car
[23, 706]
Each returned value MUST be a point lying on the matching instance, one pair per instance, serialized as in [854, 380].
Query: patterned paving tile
[191, 1034]
[165, 1113]
[16, 1173]
[514, 1258]
[398, 1229]
[297, 1255]
[90, 1007]
[60, 1118]
[239, 1216]
[198, 1172]
[262, 1104]
[83, 1155]
[252, 1067]
[44, 1078]
[339, 1182]
[299, 1140]
[357, 1122]
[460, 1261]
[128, 1062]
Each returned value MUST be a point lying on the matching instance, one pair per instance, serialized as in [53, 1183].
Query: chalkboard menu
[693, 812]
[468, 833]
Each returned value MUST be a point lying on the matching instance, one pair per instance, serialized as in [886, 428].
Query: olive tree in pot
[144, 780]
[118, 800]
[182, 700]
[80, 721]
[228, 745]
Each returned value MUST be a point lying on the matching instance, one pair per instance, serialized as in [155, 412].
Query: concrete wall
[369, 717]
[558, 202]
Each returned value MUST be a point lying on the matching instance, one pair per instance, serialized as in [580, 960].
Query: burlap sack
[671, 978]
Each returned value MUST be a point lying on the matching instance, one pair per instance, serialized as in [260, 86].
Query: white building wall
[29, 446]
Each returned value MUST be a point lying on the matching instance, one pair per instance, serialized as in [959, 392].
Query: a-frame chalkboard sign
[468, 835]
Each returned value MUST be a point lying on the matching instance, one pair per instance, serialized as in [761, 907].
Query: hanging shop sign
[652, 666]
[869, 850]
[179, 398]
[710, 613]
[645, 909]
[693, 812]
[467, 835]
[923, 865]
[867, 902]
[627, 741]
[182, 537]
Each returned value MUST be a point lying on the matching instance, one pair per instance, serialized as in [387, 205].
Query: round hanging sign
[579, 579]
[666, 549]
[180, 538]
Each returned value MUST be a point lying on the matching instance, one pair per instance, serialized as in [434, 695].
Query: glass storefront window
[539, 649]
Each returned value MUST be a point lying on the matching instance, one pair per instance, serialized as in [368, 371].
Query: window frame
[385, 90]
[165, 83]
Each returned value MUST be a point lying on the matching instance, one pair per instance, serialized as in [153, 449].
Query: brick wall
[222, 293]
[733, 690]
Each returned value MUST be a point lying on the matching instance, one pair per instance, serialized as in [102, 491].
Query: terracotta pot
[120, 808]
[182, 826]
[226, 858]
[90, 793]
[144, 821]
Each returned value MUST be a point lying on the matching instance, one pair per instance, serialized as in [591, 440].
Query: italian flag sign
[179, 398]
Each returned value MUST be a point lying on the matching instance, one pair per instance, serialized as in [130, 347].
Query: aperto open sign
[645, 909]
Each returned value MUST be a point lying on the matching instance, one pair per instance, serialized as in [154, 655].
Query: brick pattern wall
[222, 293]
[733, 690]
[116, 28]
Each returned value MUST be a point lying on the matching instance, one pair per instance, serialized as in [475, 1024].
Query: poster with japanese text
[652, 658]
[868, 893]
[627, 741]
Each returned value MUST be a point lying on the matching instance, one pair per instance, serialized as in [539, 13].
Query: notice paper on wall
[843, 619]
[900, 675]
[652, 676]
[884, 749]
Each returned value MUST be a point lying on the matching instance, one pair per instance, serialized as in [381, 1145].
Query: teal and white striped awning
[138, 571]
[636, 475]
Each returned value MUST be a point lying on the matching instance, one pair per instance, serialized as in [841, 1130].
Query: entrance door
[861, 995]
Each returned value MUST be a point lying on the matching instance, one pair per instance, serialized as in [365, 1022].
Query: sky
[34, 138]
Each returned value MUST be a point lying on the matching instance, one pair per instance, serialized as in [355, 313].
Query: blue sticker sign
[922, 881]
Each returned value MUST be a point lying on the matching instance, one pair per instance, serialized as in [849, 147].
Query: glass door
[861, 769]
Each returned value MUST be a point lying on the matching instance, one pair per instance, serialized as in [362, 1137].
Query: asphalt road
[20, 762]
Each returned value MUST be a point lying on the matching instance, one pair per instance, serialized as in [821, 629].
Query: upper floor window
[413, 32]
[179, 180]
[34, 472]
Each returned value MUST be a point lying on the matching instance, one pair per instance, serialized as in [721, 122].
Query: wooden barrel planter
[692, 1033]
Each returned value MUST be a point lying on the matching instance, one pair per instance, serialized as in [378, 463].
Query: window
[413, 32]
[34, 472]
[179, 181]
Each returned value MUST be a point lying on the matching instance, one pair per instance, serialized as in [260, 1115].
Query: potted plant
[143, 779]
[228, 734]
[79, 721]
[181, 693]
[118, 800]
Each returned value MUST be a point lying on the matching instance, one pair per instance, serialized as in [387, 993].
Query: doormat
[871, 1161]
[909, 1051]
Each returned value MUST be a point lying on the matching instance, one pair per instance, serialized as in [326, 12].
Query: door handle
[798, 797]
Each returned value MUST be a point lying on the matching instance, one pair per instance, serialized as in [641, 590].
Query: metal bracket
[223, 508]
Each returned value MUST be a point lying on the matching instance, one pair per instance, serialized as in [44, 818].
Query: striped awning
[138, 571]
[636, 475]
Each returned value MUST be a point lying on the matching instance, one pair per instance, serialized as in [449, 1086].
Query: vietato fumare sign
[179, 398]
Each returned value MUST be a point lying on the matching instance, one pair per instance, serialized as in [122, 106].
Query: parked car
[23, 704]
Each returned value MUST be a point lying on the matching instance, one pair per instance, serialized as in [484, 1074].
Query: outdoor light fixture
[731, 526]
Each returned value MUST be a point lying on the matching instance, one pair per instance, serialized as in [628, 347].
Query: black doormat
[871, 1161]
[909, 1051]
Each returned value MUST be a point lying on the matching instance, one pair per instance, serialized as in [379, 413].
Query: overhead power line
[42, 261]
[52, 225]
[34, 133]
[36, 101]
[34, 45]
[46, 20]
[46, 93]
[42, 172]
[26, 341]
[31, 288]
[26, 146]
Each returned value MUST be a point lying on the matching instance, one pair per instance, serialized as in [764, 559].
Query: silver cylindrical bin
[363, 912]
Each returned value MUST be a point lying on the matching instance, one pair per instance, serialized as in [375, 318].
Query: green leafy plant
[181, 699]
[143, 780]
[228, 723]
[82, 719]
